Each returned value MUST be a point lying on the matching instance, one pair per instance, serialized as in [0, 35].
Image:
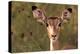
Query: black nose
[53, 37]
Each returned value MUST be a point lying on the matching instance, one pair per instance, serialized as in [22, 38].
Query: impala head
[53, 25]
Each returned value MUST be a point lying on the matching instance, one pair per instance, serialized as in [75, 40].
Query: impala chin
[54, 39]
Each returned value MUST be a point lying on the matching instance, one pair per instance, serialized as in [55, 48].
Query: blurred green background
[28, 35]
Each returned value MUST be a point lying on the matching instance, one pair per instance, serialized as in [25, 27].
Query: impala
[53, 24]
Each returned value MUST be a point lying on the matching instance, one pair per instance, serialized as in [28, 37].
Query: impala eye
[59, 25]
[46, 24]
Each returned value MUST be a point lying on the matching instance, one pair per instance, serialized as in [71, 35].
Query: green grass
[29, 35]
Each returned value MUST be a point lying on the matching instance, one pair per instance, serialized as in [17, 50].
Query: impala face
[53, 23]
[53, 27]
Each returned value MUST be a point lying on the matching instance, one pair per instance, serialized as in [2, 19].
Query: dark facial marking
[47, 25]
[59, 25]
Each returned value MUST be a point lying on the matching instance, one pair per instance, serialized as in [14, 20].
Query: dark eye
[59, 25]
[46, 24]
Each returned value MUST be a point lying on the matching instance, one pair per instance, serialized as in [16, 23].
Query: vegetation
[28, 35]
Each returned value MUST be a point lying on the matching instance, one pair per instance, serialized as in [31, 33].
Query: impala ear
[38, 14]
[66, 14]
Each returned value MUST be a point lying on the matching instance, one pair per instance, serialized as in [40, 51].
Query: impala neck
[51, 45]
[54, 45]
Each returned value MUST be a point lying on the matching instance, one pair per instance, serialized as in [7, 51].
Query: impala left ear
[38, 14]
[66, 14]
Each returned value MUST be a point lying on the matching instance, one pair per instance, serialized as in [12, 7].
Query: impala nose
[53, 37]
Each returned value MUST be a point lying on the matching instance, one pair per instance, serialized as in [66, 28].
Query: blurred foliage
[29, 35]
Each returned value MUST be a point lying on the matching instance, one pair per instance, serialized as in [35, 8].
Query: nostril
[53, 35]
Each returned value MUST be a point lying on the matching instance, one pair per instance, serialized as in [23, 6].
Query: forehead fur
[52, 20]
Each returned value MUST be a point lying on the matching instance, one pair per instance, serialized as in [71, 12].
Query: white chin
[54, 40]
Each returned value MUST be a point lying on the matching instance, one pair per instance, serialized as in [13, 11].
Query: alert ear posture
[38, 14]
[66, 14]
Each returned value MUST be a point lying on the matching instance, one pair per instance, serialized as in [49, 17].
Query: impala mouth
[54, 38]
